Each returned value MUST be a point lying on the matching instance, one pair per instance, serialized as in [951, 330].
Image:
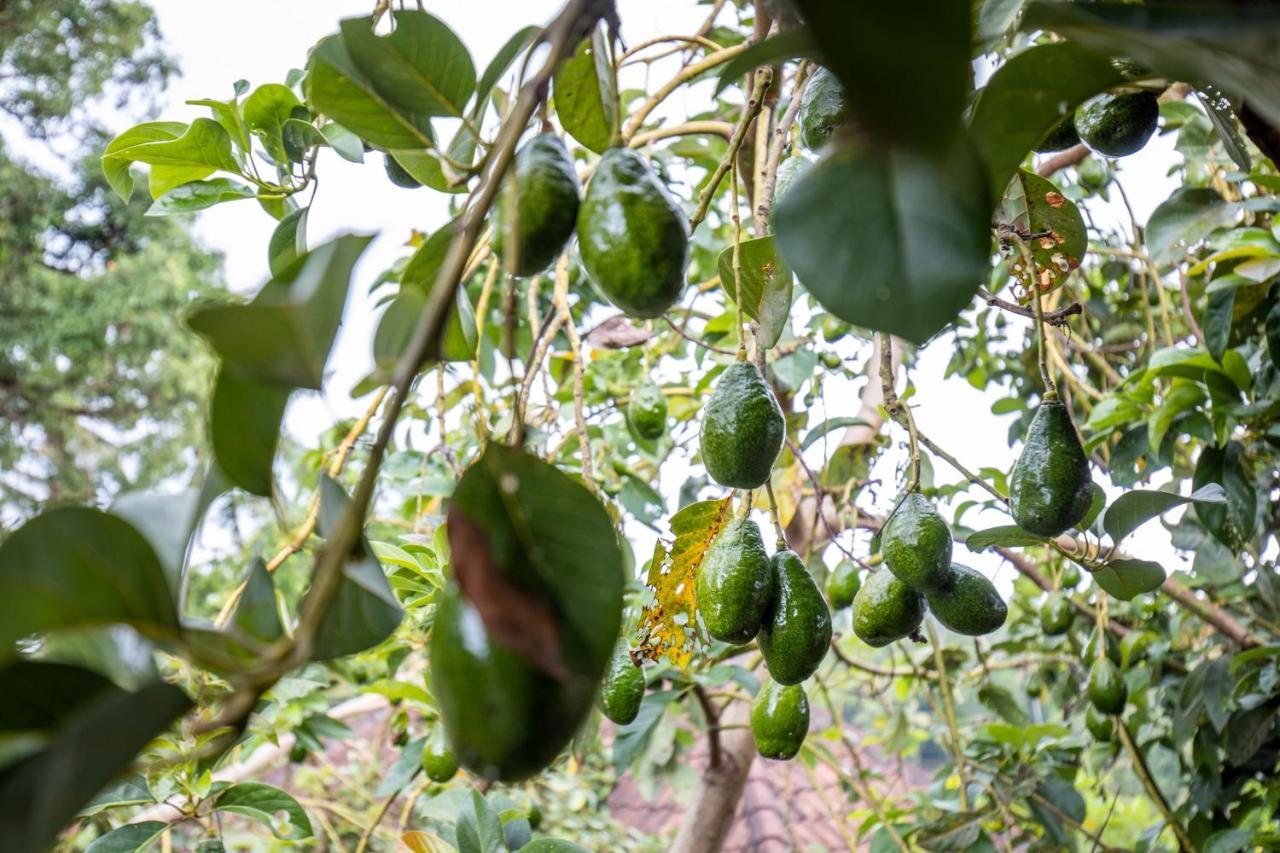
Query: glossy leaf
[1126, 579]
[422, 68]
[204, 148]
[116, 158]
[766, 285]
[265, 112]
[1184, 219]
[244, 428]
[1223, 117]
[261, 802]
[1219, 311]
[1006, 536]
[428, 169]
[1181, 397]
[257, 615]
[1133, 509]
[583, 87]
[288, 241]
[339, 90]
[1034, 205]
[1231, 522]
[520, 41]
[130, 838]
[478, 828]
[199, 195]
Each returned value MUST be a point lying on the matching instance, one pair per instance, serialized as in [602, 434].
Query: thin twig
[1157, 796]
[1053, 318]
[575, 345]
[763, 77]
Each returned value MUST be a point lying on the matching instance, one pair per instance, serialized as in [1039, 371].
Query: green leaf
[256, 615]
[339, 90]
[814, 435]
[479, 829]
[244, 428]
[261, 802]
[520, 40]
[345, 143]
[422, 68]
[1248, 731]
[1227, 841]
[1231, 522]
[1002, 702]
[167, 520]
[1127, 578]
[892, 241]
[766, 285]
[77, 566]
[1195, 43]
[634, 738]
[956, 832]
[228, 114]
[130, 838]
[552, 845]
[203, 149]
[199, 195]
[364, 611]
[1181, 397]
[116, 159]
[288, 241]
[1006, 536]
[1133, 509]
[265, 113]
[1188, 216]
[788, 44]
[1096, 505]
[995, 18]
[130, 791]
[583, 87]
[1219, 311]
[1035, 205]
[1223, 117]
[428, 169]
[1027, 96]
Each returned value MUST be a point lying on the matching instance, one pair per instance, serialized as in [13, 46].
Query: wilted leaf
[617, 332]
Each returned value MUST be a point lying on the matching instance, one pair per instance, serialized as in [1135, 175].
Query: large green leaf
[1034, 205]
[766, 285]
[788, 44]
[199, 195]
[262, 802]
[1231, 521]
[130, 838]
[1184, 219]
[257, 615]
[203, 149]
[1133, 509]
[288, 241]
[116, 159]
[77, 566]
[1027, 96]
[166, 520]
[265, 112]
[514, 46]
[1181, 397]
[1127, 578]
[1006, 536]
[339, 90]
[1238, 52]
[478, 828]
[244, 428]
[421, 68]
[583, 86]
[893, 241]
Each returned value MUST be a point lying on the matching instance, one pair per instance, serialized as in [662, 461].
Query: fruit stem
[737, 262]
[773, 512]
[899, 411]
[1042, 354]
[763, 78]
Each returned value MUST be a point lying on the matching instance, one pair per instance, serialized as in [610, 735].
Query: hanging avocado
[1117, 125]
[647, 411]
[779, 720]
[1056, 615]
[623, 688]
[796, 631]
[1099, 725]
[546, 203]
[632, 236]
[1107, 690]
[916, 543]
[822, 109]
[967, 603]
[1049, 488]
[742, 428]
[437, 757]
[1061, 137]
[734, 583]
[886, 609]
[843, 585]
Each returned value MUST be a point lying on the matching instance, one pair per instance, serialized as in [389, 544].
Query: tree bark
[706, 823]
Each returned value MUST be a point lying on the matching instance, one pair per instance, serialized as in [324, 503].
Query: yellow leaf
[422, 842]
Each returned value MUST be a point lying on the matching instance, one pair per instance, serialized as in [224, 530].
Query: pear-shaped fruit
[1117, 125]
[546, 202]
[916, 543]
[742, 428]
[437, 757]
[647, 411]
[623, 688]
[822, 109]
[796, 631]
[1099, 725]
[1062, 136]
[967, 603]
[1107, 690]
[1056, 615]
[779, 720]
[886, 609]
[633, 238]
[843, 585]
[734, 583]
[1049, 488]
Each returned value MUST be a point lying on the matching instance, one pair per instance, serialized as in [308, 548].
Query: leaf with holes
[1034, 206]
[766, 285]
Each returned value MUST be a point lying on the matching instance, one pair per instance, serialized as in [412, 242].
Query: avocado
[1273, 334]
[967, 603]
[1099, 725]
[916, 543]
[1061, 137]
[1056, 615]
[437, 757]
[742, 428]
[399, 175]
[779, 720]
[1070, 577]
[1117, 125]
[734, 583]
[886, 609]
[1049, 488]
[1034, 686]
[647, 411]
[822, 109]
[632, 236]
[623, 688]
[843, 584]
[796, 630]
[1107, 690]
[298, 752]
[211, 845]
[546, 203]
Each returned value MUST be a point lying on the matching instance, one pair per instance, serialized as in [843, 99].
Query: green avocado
[1273, 334]
[1034, 686]
[632, 236]
[1099, 725]
[623, 688]
[916, 543]
[298, 752]
[546, 202]
[843, 584]
[437, 757]
[1056, 615]
[1070, 577]
[742, 428]
[967, 603]
[1049, 488]
[734, 583]
[796, 630]
[399, 175]
[886, 609]
[647, 411]
[1117, 125]
[1061, 137]
[779, 720]
[822, 109]
[1107, 690]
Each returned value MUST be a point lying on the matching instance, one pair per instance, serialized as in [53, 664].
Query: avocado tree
[713, 325]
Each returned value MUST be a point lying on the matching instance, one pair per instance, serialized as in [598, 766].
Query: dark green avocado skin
[632, 236]
[843, 585]
[1050, 488]
[547, 200]
[916, 543]
[742, 428]
[886, 609]
[822, 109]
[796, 630]
[647, 411]
[1107, 690]
[437, 758]
[1099, 726]
[779, 720]
[1061, 137]
[1056, 615]
[1117, 125]
[734, 582]
[623, 688]
[967, 603]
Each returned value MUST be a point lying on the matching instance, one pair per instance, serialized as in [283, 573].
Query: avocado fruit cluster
[886, 609]
[779, 720]
[647, 411]
[623, 688]
[545, 207]
[742, 428]
[822, 109]
[1050, 489]
[1117, 124]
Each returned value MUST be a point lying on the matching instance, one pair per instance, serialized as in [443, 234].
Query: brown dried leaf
[617, 333]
